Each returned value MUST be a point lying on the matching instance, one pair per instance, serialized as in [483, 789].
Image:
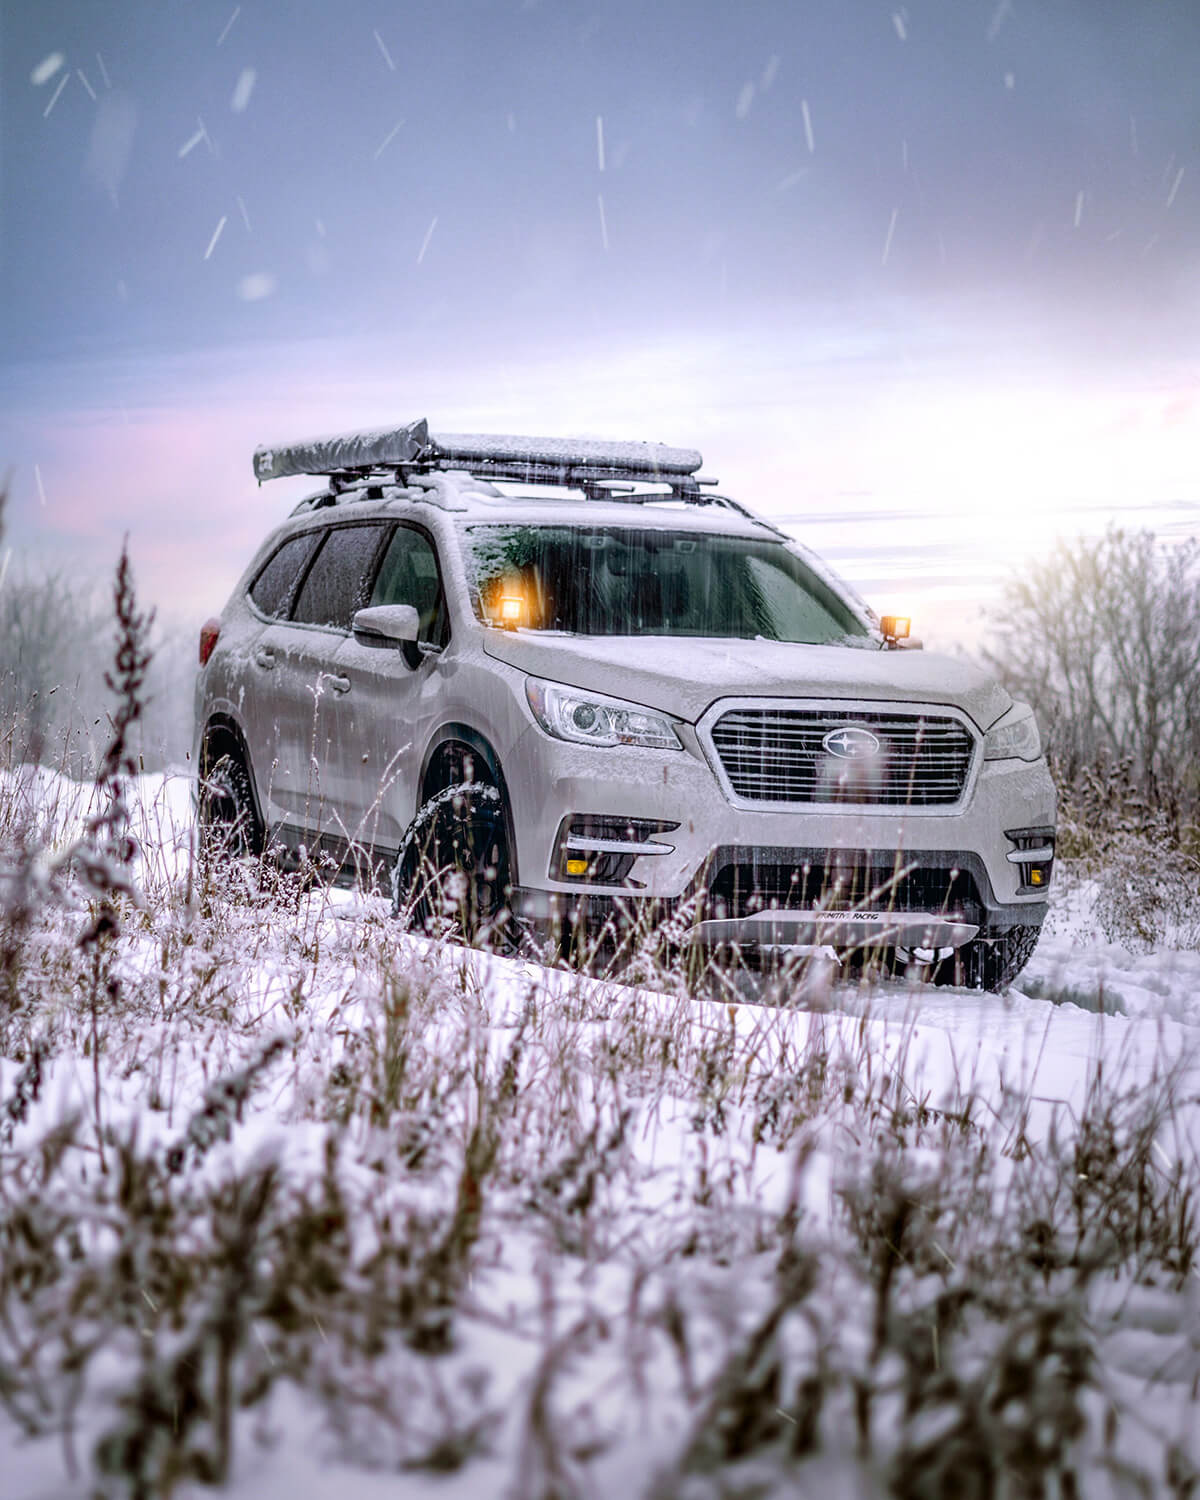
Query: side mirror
[386, 624]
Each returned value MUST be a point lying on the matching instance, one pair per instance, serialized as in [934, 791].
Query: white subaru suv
[595, 691]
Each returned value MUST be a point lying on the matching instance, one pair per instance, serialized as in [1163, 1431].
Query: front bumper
[948, 865]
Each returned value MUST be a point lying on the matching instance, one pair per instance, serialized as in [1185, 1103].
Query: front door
[390, 699]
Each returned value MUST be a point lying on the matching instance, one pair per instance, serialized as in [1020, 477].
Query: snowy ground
[579, 1236]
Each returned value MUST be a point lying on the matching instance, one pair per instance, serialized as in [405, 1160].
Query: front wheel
[452, 874]
[988, 963]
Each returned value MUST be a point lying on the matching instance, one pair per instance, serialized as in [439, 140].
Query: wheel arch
[223, 733]
[452, 734]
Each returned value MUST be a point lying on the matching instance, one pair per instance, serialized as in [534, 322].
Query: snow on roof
[636, 456]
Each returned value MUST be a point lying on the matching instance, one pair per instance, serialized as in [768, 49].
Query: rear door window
[337, 582]
[275, 587]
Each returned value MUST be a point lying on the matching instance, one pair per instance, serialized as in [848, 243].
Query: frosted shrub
[1148, 896]
[1103, 638]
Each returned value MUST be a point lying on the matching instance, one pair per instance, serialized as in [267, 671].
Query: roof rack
[399, 452]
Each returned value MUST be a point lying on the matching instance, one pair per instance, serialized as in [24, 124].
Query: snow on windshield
[616, 580]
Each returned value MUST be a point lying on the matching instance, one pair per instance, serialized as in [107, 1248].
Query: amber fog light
[1033, 856]
[601, 848]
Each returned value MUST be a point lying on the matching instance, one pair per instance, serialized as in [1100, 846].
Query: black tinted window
[337, 581]
[275, 585]
[409, 575]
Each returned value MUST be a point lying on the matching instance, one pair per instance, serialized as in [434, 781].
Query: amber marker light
[512, 611]
[895, 627]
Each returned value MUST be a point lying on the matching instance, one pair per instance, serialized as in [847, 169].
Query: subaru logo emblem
[851, 743]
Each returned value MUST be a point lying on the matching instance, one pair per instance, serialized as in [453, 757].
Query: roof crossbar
[402, 451]
[587, 477]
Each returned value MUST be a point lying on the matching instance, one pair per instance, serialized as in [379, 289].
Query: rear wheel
[452, 874]
[228, 812]
[988, 963]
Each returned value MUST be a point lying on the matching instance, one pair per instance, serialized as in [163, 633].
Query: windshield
[625, 580]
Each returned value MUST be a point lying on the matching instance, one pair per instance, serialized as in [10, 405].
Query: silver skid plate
[839, 929]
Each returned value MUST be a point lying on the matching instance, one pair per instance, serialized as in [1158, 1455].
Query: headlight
[586, 719]
[1014, 737]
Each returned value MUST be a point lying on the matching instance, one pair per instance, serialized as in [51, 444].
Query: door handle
[264, 657]
[340, 684]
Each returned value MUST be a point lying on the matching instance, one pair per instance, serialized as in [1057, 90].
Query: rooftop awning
[502, 456]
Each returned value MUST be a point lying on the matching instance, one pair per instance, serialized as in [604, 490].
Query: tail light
[209, 632]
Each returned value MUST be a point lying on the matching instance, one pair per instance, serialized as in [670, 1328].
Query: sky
[923, 278]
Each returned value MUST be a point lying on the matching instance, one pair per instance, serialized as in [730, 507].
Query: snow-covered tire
[988, 963]
[227, 810]
[452, 872]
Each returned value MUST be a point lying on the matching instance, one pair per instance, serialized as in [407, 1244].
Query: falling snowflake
[428, 237]
[216, 235]
[255, 287]
[46, 69]
[242, 90]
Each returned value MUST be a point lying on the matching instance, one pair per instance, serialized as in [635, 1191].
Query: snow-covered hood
[684, 676]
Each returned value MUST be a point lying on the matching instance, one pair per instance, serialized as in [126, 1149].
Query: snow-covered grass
[1124, 936]
[293, 1202]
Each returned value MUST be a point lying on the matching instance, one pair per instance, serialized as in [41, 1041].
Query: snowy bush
[56, 631]
[1103, 638]
[1145, 870]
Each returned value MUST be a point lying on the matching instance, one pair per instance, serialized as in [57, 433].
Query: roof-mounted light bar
[537, 460]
